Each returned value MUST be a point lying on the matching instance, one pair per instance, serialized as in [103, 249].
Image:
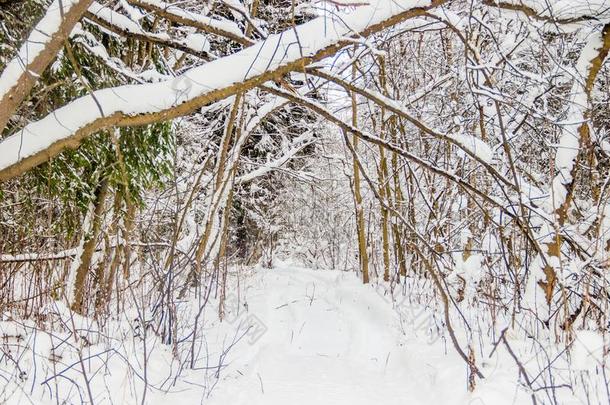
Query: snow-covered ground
[328, 339]
[292, 335]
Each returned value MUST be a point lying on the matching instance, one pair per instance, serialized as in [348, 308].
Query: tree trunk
[89, 249]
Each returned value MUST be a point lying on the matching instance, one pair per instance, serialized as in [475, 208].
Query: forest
[305, 202]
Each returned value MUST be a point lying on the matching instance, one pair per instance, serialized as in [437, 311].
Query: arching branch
[37, 52]
[131, 105]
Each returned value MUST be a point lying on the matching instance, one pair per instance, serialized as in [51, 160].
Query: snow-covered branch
[194, 44]
[143, 104]
[171, 12]
[37, 52]
[297, 145]
[557, 12]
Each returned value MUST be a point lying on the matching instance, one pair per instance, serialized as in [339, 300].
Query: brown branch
[148, 37]
[181, 18]
[536, 14]
[70, 253]
[122, 119]
[34, 68]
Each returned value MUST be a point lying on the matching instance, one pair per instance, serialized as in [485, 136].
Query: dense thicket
[462, 147]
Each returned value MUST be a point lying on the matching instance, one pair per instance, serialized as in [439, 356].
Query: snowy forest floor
[330, 340]
[292, 336]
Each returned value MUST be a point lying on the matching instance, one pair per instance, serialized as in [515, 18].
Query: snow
[587, 350]
[134, 13]
[475, 146]
[566, 155]
[276, 51]
[328, 339]
[323, 344]
[289, 335]
[198, 41]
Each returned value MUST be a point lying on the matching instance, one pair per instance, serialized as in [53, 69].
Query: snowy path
[319, 337]
[331, 340]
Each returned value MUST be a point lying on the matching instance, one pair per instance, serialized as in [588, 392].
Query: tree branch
[147, 103]
[37, 52]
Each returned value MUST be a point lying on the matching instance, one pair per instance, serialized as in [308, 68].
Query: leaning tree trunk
[90, 241]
